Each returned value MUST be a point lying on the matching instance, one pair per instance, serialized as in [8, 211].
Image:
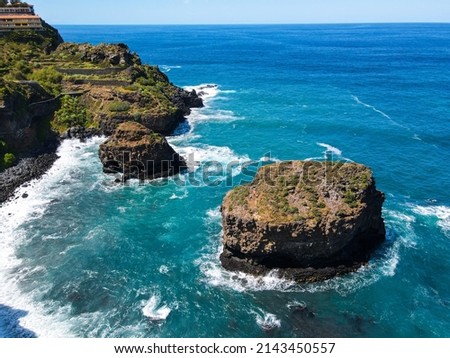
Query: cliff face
[25, 118]
[312, 220]
[136, 152]
[96, 87]
[26, 107]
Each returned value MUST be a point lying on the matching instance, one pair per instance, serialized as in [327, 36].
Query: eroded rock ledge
[136, 152]
[311, 220]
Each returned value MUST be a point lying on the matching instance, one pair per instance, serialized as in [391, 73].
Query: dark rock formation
[25, 118]
[107, 54]
[81, 133]
[163, 123]
[185, 100]
[310, 220]
[27, 169]
[136, 152]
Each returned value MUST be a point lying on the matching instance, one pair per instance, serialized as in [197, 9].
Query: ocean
[84, 257]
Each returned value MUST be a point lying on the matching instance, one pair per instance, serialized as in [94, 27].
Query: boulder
[310, 220]
[137, 152]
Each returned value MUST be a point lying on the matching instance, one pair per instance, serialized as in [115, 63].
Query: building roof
[17, 16]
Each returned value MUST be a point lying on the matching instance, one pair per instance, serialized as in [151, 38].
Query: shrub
[49, 79]
[350, 199]
[72, 113]
[119, 107]
[8, 160]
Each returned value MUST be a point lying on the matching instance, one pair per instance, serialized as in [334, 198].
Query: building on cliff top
[19, 18]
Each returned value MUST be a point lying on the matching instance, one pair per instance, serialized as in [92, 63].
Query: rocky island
[51, 90]
[137, 152]
[310, 220]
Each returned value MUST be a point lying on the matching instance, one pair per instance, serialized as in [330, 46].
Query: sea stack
[137, 152]
[310, 220]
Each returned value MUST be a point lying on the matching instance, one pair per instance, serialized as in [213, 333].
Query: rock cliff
[116, 88]
[136, 152]
[51, 89]
[311, 220]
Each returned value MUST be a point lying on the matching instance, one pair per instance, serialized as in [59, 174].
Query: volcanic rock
[136, 152]
[310, 220]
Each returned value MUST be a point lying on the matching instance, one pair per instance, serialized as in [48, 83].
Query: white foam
[154, 310]
[269, 158]
[331, 149]
[180, 197]
[206, 91]
[65, 175]
[442, 213]
[208, 153]
[199, 115]
[163, 269]
[384, 264]
[335, 153]
[209, 92]
[166, 68]
[214, 215]
[297, 305]
[220, 162]
[267, 321]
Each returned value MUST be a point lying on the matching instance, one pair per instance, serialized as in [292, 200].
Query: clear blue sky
[240, 11]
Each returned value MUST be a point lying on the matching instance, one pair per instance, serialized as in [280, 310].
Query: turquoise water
[83, 257]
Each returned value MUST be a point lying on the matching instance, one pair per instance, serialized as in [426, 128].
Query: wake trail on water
[380, 112]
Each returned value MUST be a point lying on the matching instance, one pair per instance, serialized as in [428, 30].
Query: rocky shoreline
[26, 170]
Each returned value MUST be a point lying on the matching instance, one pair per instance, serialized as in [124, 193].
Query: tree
[3, 3]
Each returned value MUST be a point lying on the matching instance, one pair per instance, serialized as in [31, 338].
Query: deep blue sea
[84, 257]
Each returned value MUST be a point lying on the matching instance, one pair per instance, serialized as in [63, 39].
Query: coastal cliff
[310, 220]
[51, 90]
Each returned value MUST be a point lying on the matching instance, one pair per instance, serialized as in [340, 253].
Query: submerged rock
[137, 152]
[311, 220]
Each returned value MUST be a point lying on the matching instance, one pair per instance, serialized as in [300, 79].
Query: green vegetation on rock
[119, 106]
[298, 191]
[6, 159]
[72, 113]
[49, 79]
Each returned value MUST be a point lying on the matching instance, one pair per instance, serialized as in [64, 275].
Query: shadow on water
[183, 128]
[10, 326]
